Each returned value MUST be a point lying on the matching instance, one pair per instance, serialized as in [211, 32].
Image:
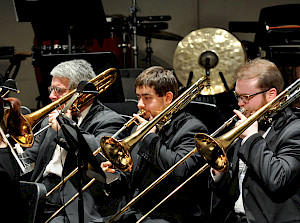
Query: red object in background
[113, 44]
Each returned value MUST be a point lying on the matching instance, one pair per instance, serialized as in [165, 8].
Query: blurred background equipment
[277, 38]
[104, 41]
[144, 36]
[213, 52]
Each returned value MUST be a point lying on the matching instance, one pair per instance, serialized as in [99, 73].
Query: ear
[272, 93]
[169, 97]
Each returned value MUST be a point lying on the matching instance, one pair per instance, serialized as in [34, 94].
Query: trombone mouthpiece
[242, 110]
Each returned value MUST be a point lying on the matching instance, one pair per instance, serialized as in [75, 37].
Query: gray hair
[75, 70]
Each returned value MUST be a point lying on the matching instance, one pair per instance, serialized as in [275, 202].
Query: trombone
[102, 82]
[25, 136]
[25, 130]
[165, 174]
[118, 152]
[213, 149]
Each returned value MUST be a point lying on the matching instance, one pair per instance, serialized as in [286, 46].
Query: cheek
[255, 105]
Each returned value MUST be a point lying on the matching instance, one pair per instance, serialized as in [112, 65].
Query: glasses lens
[50, 89]
[57, 90]
[244, 98]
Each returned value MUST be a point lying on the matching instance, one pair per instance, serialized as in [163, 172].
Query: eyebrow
[144, 94]
[241, 94]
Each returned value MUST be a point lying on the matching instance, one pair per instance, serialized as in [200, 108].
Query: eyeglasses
[57, 90]
[246, 98]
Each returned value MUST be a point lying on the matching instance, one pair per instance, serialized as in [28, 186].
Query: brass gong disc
[217, 48]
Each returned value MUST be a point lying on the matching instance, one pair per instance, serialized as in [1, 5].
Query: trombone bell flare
[114, 151]
[21, 132]
[212, 151]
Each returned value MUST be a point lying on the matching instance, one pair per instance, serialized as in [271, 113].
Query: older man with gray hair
[53, 162]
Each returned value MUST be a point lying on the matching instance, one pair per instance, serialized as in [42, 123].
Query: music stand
[78, 145]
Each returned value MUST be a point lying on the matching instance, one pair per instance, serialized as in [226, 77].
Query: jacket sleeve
[32, 152]
[163, 154]
[277, 166]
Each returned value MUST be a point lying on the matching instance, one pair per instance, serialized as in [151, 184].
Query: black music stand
[77, 144]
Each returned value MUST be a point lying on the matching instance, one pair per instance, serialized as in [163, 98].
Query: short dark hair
[266, 71]
[162, 80]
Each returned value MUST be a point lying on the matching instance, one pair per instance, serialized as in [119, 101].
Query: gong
[209, 51]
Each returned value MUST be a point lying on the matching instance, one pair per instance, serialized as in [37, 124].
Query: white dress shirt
[55, 166]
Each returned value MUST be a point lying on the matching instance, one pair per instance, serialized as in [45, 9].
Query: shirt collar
[82, 115]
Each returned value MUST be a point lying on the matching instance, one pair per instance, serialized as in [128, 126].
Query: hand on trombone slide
[52, 119]
[144, 122]
[252, 129]
[108, 167]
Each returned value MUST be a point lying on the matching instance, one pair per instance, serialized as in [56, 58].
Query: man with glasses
[263, 182]
[54, 161]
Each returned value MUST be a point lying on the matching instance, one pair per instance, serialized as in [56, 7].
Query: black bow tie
[75, 119]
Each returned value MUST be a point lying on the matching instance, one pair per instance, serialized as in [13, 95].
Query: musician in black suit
[161, 148]
[263, 183]
[53, 162]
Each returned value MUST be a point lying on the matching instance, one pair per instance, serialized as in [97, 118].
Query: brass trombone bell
[22, 134]
[212, 151]
[117, 152]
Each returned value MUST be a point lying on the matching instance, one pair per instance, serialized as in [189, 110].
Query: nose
[52, 96]
[141, 104]
[240, 102]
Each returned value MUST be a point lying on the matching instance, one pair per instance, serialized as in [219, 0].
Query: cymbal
[160, 35]
[209, 51]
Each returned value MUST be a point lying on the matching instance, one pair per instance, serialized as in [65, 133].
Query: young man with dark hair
[158, 151]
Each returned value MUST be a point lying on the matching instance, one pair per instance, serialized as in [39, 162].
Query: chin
[146, 116]
[247, 113]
